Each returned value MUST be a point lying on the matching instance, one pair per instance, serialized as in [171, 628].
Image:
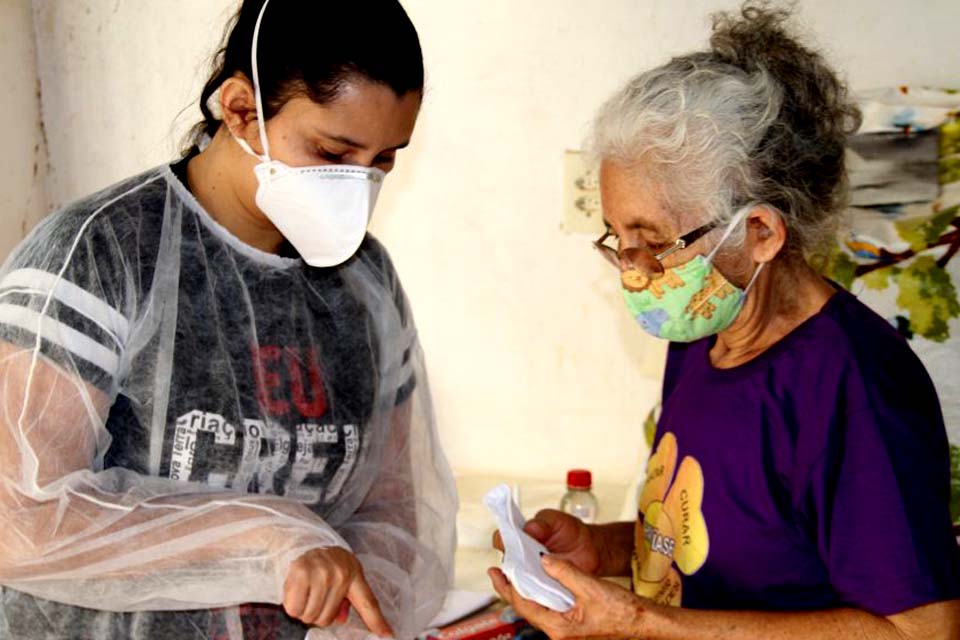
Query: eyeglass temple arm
[688, 239]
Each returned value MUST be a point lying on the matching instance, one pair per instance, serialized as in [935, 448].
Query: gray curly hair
[757, 119]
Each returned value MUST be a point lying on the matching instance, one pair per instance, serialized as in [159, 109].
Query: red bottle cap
[579, 479]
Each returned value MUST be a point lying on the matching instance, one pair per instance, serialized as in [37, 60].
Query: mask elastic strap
[724, 283]
[753, 279]
[246, 147]
[737, 218]
[262, 125]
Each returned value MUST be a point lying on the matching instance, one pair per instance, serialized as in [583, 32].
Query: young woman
[214, 419]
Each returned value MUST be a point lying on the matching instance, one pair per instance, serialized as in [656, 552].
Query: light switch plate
[582, 212]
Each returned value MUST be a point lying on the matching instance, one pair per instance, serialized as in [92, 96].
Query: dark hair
[313, 48]
[801, 156]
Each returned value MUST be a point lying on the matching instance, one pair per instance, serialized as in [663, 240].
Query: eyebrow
[357, 145]
[642, 225]
[635, 224]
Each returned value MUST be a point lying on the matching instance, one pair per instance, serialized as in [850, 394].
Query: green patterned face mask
[691, 301]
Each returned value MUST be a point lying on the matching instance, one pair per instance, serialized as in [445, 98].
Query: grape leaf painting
[902, 260]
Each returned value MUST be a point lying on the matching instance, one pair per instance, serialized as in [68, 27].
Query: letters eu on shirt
[283, 419]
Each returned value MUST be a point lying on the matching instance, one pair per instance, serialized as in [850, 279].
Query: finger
[508, 593]
[363, 600]
[344, 613]
[555, 528]
[537, 530]
[330, 605]
[314, 604]
[497, 541]
[566, 574]
[500, 584]
[295, 598]
[550, 517]
[527, 609]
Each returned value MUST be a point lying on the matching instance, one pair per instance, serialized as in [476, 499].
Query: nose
[640, 259]
[371, 159]
[363, 159]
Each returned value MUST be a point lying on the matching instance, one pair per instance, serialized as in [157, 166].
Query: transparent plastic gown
[181, 416]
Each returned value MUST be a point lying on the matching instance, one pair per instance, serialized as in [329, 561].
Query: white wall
[24, 165]
[115, 75]
[535, 365]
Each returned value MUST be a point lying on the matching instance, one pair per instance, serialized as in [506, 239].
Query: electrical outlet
[581, 196]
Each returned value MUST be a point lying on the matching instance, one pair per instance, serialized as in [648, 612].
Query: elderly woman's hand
[602, 608]
[564, 536]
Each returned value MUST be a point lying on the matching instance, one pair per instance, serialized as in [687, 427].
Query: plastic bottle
[579, 501]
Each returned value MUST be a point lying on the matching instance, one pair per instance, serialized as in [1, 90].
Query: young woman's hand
[565, 536]
[323, 583]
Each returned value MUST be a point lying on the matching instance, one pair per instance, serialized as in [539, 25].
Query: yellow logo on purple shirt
[671, 532]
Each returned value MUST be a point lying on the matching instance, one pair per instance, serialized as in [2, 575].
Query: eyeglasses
[642, 254]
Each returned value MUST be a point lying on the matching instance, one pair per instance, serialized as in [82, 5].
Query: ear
[766, 233]
[238, 104]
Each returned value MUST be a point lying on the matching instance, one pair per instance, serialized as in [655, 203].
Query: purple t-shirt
[814, 476]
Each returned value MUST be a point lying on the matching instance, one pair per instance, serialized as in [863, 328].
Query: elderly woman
[798, 486]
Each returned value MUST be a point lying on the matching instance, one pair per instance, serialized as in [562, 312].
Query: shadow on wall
[23, 198]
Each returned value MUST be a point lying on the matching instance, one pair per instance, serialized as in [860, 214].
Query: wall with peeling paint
[24, 166]
[535, 365]
[114, 76]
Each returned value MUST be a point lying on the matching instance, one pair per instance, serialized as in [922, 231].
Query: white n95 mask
[324, 210]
